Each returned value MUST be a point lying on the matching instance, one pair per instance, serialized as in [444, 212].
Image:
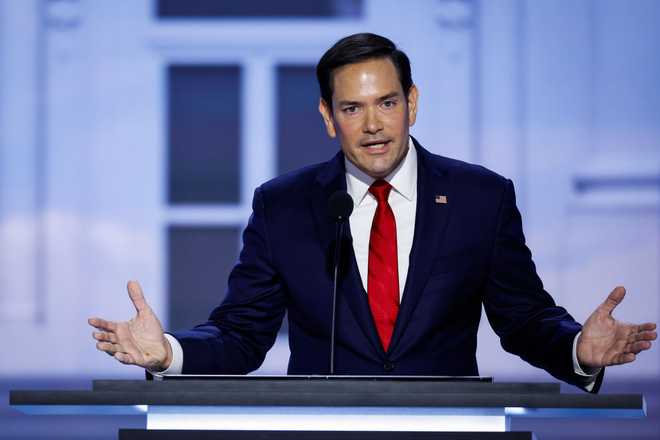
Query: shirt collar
[403, 178]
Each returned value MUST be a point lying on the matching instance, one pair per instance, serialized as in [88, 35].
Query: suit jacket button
[388, 366]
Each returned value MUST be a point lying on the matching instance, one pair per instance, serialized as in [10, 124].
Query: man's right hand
[140, 341]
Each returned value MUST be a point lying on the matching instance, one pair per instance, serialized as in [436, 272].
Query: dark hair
[357, 48]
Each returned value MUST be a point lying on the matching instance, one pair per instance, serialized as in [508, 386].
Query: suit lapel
[333, 178]
[329, 180]
[430, 222]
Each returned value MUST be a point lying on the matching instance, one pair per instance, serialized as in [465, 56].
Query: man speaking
[430, 240]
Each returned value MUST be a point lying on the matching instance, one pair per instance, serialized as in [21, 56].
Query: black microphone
[340, 207]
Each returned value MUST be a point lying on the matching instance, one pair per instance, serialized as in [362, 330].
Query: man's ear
[326, 114]
[413, 94]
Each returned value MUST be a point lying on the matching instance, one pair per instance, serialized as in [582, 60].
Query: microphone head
[340, 205]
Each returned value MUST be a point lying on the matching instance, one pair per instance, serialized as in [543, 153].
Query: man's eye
[351, 109]
[389, 103]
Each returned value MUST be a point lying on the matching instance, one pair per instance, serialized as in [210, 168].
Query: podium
[326, 407]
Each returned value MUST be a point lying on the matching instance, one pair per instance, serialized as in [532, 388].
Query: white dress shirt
[403, 201]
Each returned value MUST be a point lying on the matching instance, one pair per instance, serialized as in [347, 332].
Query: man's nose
[372, 123]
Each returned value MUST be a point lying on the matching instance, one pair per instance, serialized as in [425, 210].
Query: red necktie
[383, 280]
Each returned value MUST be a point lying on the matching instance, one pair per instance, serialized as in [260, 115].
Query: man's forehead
[370, 77]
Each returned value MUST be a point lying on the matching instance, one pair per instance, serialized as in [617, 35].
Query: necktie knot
[381, 190]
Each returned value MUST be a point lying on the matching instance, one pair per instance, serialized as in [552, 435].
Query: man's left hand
[605, 341]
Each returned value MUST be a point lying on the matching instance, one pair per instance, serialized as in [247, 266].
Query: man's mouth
[376, 144]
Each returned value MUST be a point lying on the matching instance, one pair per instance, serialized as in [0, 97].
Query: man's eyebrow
[388, 96]
[343, 103]
[380, 99]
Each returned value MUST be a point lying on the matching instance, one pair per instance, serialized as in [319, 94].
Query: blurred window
[301, 135]
[258, 9]
[203, 127]
[199, 261]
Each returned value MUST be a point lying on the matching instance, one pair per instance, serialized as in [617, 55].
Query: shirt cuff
[590, 373]
[176, 366]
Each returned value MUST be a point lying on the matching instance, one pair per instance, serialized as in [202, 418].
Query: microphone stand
[339, 235]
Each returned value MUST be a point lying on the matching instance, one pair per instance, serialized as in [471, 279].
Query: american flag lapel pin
[440, 199]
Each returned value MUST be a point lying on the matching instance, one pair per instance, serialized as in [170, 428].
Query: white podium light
[289, 418]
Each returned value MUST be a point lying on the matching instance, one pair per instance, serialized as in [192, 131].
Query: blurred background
[134, 132]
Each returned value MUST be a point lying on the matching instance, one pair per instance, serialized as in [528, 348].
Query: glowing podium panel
[322, 404]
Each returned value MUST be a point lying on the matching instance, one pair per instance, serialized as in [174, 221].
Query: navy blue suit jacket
[467, 252]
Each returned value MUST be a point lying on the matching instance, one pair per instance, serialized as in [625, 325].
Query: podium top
[518, 399]
[315, 387]
[294, 377]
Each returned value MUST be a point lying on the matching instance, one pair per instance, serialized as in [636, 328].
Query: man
[431, 240]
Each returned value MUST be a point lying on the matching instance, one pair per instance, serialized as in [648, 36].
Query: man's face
[371, 115]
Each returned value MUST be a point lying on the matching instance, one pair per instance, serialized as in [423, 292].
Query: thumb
[614, 299]
[136, 296]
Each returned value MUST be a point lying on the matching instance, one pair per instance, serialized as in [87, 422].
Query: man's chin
[375, 168]
[378, 172]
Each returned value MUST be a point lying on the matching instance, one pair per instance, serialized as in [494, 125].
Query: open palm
[605, 341]
[139, 341]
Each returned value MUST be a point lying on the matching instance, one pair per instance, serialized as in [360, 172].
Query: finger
[646, 336]
[136, 296]
[646, 326]
[641, 332]
[102, 324]
[635, 335]
[124, 358]
[626, 358]
[105, 337]
[639, 346]
[108, 347]
[614, 299]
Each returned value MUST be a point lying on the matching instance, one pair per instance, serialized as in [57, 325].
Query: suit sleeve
[242, 329]
[521, 312]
